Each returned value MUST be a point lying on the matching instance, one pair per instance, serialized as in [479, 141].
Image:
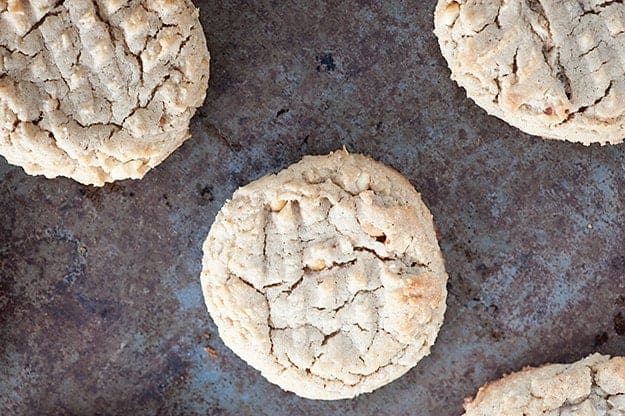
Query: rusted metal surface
[100, 303]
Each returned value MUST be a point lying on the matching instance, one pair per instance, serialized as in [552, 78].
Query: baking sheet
[100, 303]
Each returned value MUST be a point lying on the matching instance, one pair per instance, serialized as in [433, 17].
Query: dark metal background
[100, 303]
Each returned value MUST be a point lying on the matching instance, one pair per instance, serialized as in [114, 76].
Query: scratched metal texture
[100, 305]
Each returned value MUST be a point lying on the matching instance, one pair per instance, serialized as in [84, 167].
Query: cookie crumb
[211, 352]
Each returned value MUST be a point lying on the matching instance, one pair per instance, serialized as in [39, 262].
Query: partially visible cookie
[98, 90]
[551, 68]
[593, 386]
[326, 277]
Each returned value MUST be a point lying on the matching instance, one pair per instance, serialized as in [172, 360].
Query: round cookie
[98, 90]
[592, 386]
[326, 277]
[551, 68]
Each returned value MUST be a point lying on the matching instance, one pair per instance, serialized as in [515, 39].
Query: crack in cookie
[326, 277]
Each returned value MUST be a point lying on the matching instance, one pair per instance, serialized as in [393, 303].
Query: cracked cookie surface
[326, 277]
[548, 67]
[98, 90]
[594, 386]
